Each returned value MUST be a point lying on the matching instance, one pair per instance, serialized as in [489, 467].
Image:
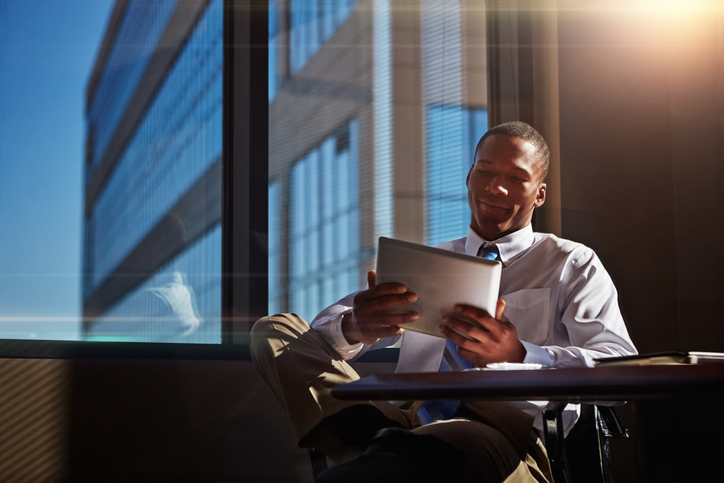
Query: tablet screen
[440, 278]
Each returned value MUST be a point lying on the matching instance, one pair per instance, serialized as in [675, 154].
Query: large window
[112, 163]
[410, 80]
[371, 119]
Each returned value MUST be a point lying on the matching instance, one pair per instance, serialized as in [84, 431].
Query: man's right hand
[369, 321]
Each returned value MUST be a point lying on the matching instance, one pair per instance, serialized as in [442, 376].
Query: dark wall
[642, 170]
[178, 420]
[642, 165]
[126, 419]
[142, 420]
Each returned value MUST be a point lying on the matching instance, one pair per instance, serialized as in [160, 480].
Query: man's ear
[540, 197]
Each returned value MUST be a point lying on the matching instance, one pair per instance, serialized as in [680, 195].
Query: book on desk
[664, 358]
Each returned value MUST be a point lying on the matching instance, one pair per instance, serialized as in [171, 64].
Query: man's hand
[490, 339]
[370, 320]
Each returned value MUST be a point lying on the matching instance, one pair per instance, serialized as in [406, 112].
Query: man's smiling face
[504, 186]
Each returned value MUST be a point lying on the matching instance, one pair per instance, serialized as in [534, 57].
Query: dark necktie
[489, 252]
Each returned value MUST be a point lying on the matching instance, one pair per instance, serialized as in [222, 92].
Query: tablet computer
[440, 278]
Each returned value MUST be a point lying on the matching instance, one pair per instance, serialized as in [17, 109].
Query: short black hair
[526, 132]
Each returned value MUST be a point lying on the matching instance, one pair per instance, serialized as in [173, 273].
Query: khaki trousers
[301, 369]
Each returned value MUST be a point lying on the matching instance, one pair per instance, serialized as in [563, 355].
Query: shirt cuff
[536, 354]
[330, 328]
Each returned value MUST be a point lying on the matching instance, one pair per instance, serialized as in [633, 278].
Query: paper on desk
[420, 353]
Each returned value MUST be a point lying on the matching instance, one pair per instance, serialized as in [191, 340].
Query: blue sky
[47, 49]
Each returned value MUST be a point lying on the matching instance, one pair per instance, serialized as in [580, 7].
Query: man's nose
[496, 187]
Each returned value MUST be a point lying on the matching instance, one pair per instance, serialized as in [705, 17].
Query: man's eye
[485, 172]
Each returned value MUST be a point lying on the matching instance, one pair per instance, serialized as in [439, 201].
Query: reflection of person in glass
[181, 299]
[558, 307]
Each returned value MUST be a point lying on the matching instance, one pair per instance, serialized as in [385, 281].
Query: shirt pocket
[529, 311]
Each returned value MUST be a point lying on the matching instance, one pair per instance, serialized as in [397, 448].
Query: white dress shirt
[558, 295]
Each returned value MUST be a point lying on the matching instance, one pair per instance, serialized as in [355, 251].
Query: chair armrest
[610, 422]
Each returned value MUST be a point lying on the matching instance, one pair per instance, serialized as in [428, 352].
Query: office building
[374, 111]
[152, 224]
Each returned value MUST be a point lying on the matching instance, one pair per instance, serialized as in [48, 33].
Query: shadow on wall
[143, 420]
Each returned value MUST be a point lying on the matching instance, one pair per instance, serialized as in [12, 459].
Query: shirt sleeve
[591, 316]
[329, 324]
[536, 354]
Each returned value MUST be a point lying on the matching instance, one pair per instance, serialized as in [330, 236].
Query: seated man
[558, 307]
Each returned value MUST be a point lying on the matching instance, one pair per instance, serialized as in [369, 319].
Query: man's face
[504, 186]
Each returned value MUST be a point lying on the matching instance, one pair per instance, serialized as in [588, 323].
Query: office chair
[583, 457]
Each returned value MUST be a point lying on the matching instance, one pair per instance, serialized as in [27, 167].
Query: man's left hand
[486, 339]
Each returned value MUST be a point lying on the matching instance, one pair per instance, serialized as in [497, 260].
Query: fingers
[472, 357]
[453, 334]
[472, 350]
[499, 309]
[374, 314]
[483, 317]
[376, 320]
[463, 333]
[472, 312]
[397, 319]
[480, 338]
[371, 314]
[473, 328]
[371, 278]
[385, 295]
[369, 329]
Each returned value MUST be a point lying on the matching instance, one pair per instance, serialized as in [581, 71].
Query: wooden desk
[591, 385]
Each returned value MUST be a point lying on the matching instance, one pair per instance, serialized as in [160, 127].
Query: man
[558, 307]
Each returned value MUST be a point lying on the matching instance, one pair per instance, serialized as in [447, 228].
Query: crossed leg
[301, 368]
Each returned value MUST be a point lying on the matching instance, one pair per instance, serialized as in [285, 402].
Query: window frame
[245, 206]
[245, 153]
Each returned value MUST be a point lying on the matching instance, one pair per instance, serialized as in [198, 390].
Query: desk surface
[597, 384]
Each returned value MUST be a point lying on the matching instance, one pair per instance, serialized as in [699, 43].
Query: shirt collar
[509, 246]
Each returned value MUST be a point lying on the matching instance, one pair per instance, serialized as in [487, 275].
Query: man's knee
[274, 330]
[490, 456]
[277, 326]
[289, 324]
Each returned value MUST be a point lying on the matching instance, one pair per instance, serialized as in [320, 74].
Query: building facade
[152, 224]
[375, 107]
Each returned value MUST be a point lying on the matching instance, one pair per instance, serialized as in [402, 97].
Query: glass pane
[153, 245]
[133, 140]
[372, 126]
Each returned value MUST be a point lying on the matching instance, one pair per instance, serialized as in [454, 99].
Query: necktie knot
[489, 252]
